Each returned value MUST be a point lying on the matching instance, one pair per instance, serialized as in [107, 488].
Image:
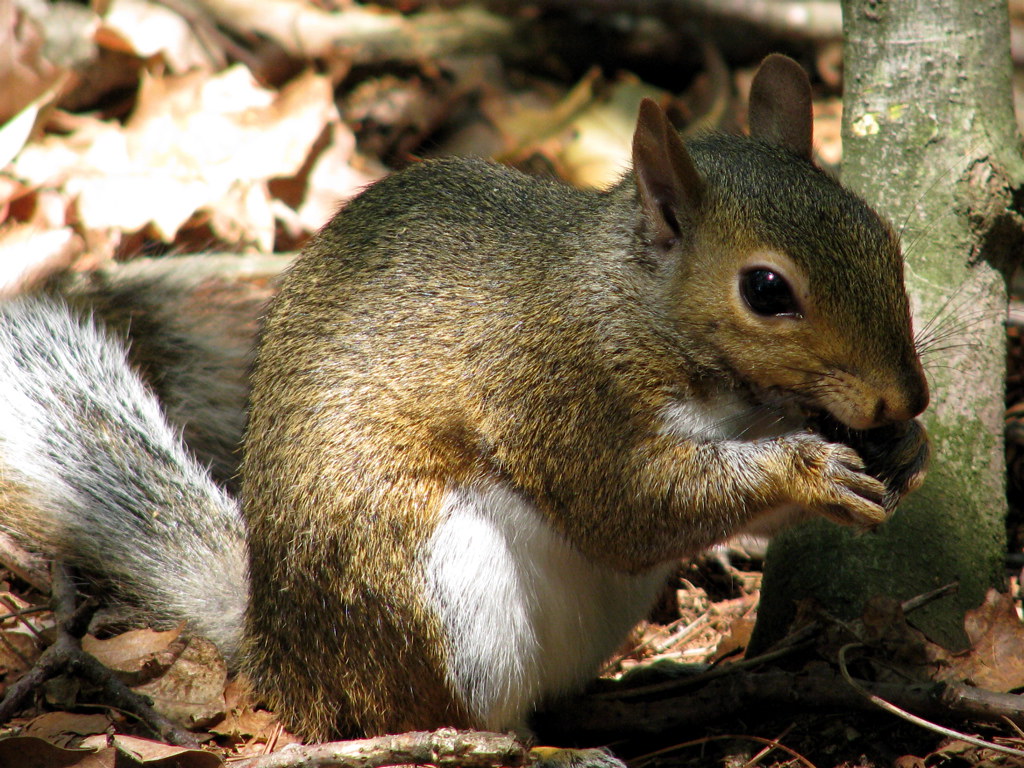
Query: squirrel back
[488, 414]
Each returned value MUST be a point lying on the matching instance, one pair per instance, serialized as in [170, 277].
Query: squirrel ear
[780, 105]
[668, 182]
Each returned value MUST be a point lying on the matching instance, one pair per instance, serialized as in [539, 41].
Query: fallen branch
[366, 35]
[792, 19]
[732, 695]
[445, 748]
[892, 709]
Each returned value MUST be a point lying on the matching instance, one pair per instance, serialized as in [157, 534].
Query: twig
[770, 744]
[21, 613]
[910, 718]
[66, 656]
[925, 598]
[797, 641]
[445, 748]
[767, 749]
[27, 567]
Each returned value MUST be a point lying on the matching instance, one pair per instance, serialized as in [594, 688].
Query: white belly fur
[526, 616]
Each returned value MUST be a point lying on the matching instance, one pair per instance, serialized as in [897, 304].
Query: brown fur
[460, 322]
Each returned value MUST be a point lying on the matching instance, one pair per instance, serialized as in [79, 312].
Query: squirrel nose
[888, 410]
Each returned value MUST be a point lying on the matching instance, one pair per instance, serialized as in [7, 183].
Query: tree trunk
[929, 139]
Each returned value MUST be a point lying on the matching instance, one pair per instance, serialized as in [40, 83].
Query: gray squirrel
[488, 414]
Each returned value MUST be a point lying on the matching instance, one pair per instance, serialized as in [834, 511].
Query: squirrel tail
[91, 472]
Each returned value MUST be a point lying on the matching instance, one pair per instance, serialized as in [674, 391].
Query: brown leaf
[147, 29]
[24, 70]
[30, 752]
[29, 254]
[61, 728]
[18, 650]
[332, 179]
[134, 651]
[599, 151]
[738, 638]
[258, 724]
[996, 659]
[155, 754]
[191, 691]
[192, 142]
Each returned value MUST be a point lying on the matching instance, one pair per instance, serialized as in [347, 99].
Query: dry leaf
[16, 131]
[245, 215]
[188, 145]
[737, 640]
[147, 29]
[131, 652]
[332, 180]
[18, 651]
[258, 724]
[599, 151]
[61, 728]
[30, 752]
[28, 254]
[154, 753]
[828, 140]
[530, 123]
[24, 71]
[996, 658]
[191, 691]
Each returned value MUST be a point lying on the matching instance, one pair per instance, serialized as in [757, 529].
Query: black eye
[768, 294]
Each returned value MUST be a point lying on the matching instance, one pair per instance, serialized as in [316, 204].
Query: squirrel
[488, 415]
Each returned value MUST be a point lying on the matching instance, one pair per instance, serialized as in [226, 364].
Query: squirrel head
[794, 282]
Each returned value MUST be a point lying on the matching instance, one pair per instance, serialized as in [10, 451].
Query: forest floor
[134, 129]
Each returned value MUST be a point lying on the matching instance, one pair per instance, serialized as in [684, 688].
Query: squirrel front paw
[896, 454]
[831, 480]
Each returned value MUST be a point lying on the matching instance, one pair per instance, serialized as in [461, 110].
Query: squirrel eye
[768, 294]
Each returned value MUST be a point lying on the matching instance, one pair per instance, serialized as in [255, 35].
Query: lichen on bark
[930, 140]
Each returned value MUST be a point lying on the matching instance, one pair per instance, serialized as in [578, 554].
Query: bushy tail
[91, 472]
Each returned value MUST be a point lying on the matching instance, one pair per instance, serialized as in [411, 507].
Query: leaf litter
[130, 127]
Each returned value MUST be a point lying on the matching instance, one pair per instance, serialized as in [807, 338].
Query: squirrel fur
[488, 414]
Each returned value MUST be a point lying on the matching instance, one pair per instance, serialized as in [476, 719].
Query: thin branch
[878, 701]
[445, 748]
[26, 566]
[368, 36]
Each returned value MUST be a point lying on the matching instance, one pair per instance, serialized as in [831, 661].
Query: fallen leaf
[191, 691]
[30, 752]
[24, 70]
[28, 254]
[996, 658]
[333, 180]
[529, 123]
[156, 754]
[18, 650]
[258, 724]
[737, 640]
[134, 651]
[60, 728]
[147, 29]
[599, 151]
[190, 142]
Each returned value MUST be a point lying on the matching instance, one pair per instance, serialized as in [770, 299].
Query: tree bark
[929, 139]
